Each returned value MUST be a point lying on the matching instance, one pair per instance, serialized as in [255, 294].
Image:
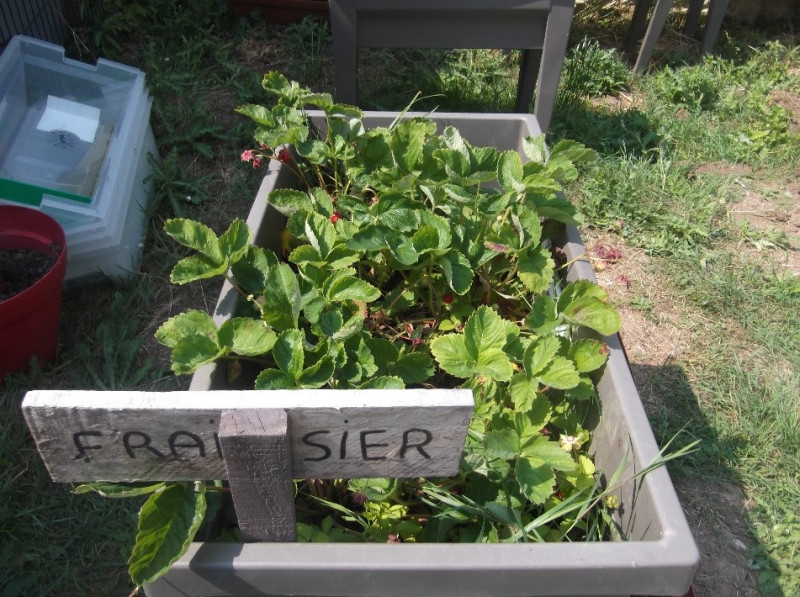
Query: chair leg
[345, 50]
[657, 22]
[693, 16]
[556, 37]
[638, 24]
[528, 75]
[716, 12]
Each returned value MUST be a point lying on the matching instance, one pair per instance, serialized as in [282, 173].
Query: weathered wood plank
[255, 445]
[140, 436]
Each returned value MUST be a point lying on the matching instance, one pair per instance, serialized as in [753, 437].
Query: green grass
[736, 388]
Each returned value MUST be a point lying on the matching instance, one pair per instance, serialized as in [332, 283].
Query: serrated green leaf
[306, 254]
[413, 367]
[560, 374]
[535, 148]
[580, 289]
[537, 416]
[117, 490]
[402, 249]
[196, 267]
[554, 206]
[259, 114]
[395, 217]
[408, 140]
[383, 383]
[318, 374]
[457, 271]
[543, 318]
[539, 354]
[320, 233]
[340, 256]
[185, 324]
[168, 522]
[330, 322]
[289, 353]
[509, 172]
[425, 239]
[281, 298]
[588, 354]
[193, 351]
[535, 480]
[383, 350]
[350, 288]
[451, 353]
[197, 236]
[251, 272]
[523, 391]
[502, 443]
[594, 314]
[484, 330]
[535, 269]
[234, 242]
[289, 201]
[493, 363]
[247, 336]
[544, 451]
[274, 379]
[369, 238]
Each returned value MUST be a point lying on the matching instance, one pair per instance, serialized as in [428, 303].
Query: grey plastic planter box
[659, 557]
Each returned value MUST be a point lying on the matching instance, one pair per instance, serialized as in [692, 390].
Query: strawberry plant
[410, 258]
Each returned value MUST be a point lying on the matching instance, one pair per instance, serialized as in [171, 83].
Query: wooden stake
[255, 445]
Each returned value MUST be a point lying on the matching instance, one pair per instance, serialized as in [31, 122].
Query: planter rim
[39, 231]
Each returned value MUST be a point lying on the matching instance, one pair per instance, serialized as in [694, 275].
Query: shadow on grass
[607, 130]
[53, 542]
[709, 489]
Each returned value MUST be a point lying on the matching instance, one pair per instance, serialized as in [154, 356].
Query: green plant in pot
[410, 258]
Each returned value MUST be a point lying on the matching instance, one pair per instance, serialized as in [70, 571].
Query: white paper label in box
[65, 115]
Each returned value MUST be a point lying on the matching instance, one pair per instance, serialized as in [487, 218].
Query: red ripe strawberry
[285, 155]
[335, 217]
[447, 298]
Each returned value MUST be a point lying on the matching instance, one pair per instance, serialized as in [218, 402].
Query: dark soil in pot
[21, 268]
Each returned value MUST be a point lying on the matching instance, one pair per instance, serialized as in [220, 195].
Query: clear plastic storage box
[74, 140]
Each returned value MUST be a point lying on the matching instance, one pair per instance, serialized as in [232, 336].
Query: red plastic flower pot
[29, 319]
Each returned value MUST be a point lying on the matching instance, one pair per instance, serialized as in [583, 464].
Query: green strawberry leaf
[189, 323]
[383, 383]
[544, 451]
[234, 242]
[195, 267]
[273, 379]
[281, 298]
[246, 336]
[588, 354]
[560, 374]
[451, 353]
[502, 443]
[457, 271]
[196, 236]
[594, 314]
[535, 268]
[192, 351]
[535, 480]
[288, 201]
[289, 353]
[509, 172]
[168, 522]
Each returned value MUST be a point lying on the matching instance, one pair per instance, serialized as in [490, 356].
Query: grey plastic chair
[538, 27]
[716, 12]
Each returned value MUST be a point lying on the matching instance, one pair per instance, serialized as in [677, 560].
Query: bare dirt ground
[660, 328]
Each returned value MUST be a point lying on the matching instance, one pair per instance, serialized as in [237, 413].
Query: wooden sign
[175, 436]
